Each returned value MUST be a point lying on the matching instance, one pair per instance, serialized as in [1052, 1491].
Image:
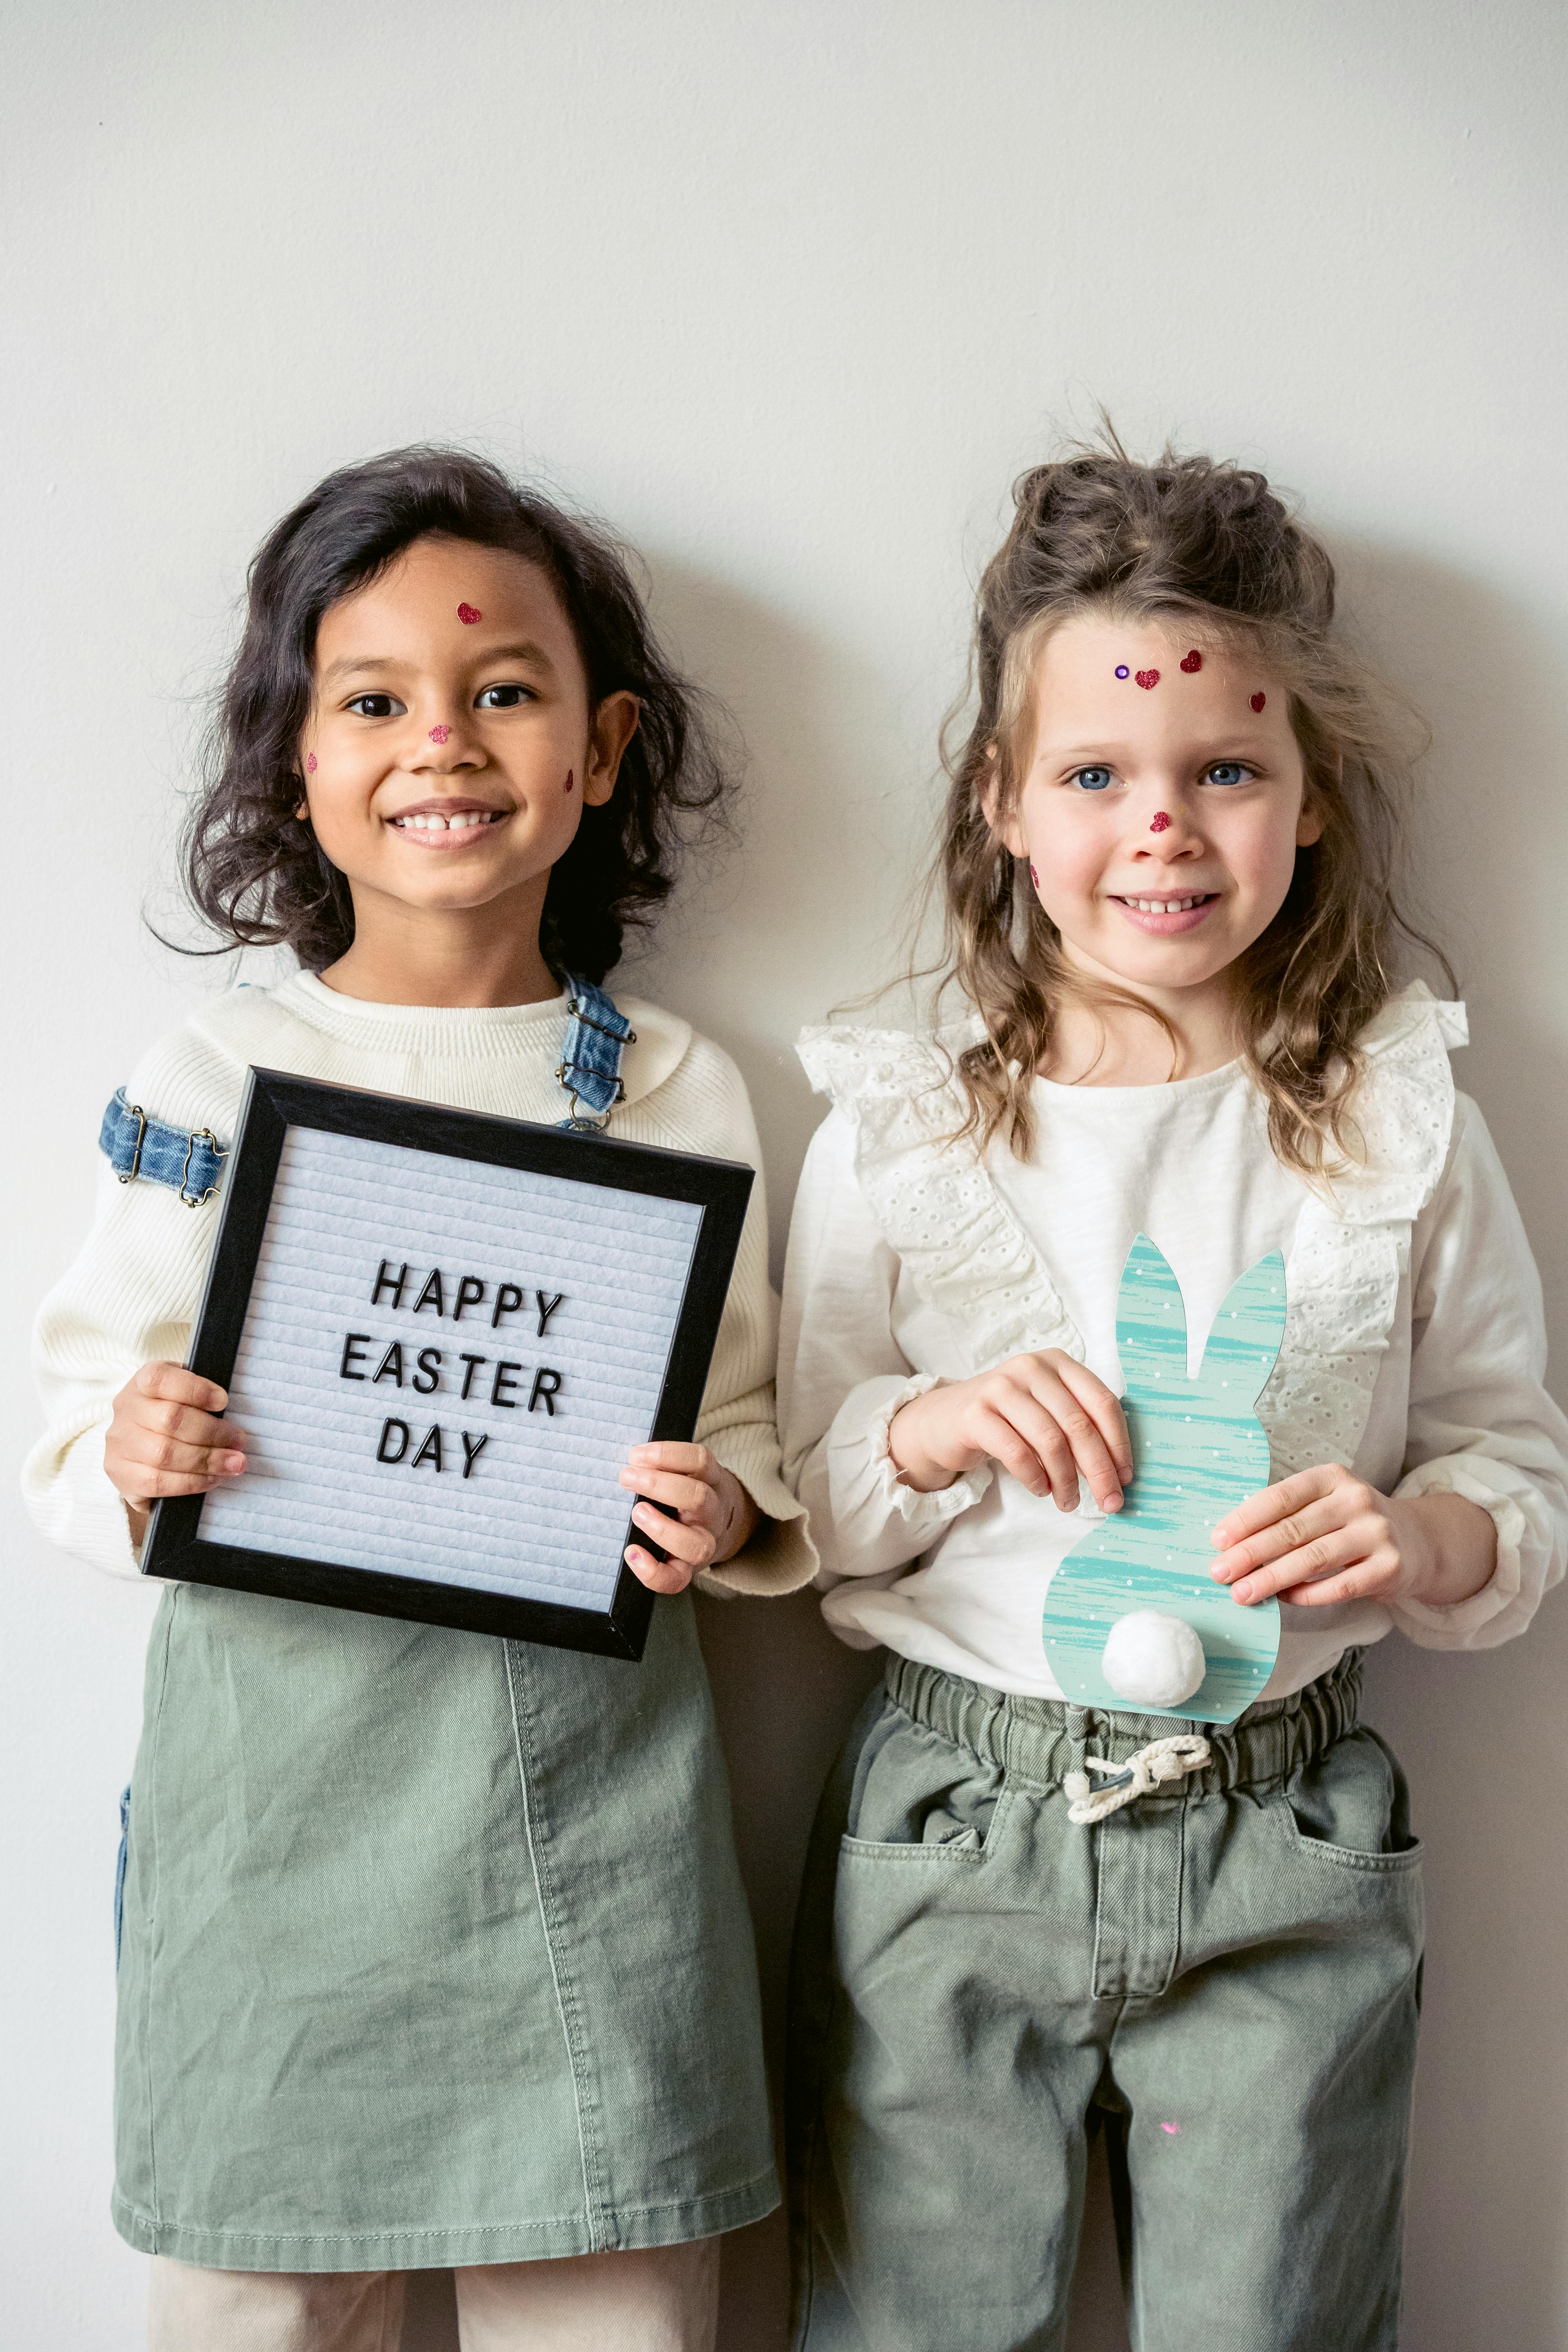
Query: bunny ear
[1150, 1322]
[1245, 1340]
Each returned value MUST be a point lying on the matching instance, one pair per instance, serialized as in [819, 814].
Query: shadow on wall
[827, 817]
[1477, 1735]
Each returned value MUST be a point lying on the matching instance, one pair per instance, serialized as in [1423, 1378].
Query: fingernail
[641, 1454]
[1219, 1572]
[234, 1463]
[1111, 1503]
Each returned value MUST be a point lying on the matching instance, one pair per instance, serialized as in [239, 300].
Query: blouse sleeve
[1481, 1424]
[843, 1376]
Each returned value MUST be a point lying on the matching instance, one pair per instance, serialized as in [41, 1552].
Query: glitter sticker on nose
[1160, 824]
[468, 615]
[439, 734]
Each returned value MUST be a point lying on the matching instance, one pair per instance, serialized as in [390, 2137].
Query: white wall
[791, 292]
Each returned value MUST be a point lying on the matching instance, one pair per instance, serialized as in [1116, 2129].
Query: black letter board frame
[274, 1101]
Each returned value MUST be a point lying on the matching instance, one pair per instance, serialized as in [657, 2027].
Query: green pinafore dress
[434, 1949]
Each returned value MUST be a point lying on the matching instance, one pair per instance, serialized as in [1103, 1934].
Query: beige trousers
[664, 2299]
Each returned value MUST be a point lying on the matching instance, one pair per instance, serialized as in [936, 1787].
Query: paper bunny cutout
[1198, 1449]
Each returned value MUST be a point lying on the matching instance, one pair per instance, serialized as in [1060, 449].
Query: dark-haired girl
[1169, 869]
[434, 1949]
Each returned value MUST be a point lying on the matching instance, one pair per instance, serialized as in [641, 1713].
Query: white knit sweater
[132, 1293]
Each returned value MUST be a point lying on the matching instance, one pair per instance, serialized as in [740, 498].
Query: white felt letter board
[441, 1334]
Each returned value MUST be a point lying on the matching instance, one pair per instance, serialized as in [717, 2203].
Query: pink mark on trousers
[439, 734]
[1175, 2130]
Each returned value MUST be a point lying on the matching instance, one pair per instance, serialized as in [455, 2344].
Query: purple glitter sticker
[1122, 669]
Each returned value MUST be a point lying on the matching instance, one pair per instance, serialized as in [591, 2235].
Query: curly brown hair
[1210, 546]
[254, 868]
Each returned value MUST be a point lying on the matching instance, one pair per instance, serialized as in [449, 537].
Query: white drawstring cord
[1162, 1759]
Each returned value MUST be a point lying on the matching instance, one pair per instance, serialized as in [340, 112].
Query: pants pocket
[918, 1795]
[1351, 1805]
[120, 1872]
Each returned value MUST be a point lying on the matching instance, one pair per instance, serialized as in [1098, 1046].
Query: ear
[1150, 1322]
[614, 724]
[1245, 1339]
[1310, 823]
[1004, 825]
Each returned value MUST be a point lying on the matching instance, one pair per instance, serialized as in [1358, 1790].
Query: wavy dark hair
[1207, 547]
[254, 868]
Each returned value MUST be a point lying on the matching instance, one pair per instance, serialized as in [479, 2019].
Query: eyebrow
[523, 651]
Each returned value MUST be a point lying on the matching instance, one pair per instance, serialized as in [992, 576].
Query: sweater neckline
[357, 1016]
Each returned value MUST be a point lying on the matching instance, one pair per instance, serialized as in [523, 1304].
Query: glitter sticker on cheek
[468, 615]
[439, 734]
[311, 764]
[570, 778]
[1147, 679]
[1160, 824]
[1032, 876]
[1121, 670]
[1258, 700]
[1192, 661]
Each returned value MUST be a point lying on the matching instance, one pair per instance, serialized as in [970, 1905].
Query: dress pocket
[120, 1861]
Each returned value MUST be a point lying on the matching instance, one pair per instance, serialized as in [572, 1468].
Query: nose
[1164, 829]
[446, 745]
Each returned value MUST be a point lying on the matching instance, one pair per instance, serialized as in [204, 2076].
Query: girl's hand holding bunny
[714, 1515]
[1325, 1536]
[1044, 1418]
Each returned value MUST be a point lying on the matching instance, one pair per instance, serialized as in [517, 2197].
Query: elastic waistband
[1044, 1740]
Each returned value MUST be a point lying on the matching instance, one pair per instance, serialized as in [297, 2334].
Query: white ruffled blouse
[1414, 1350]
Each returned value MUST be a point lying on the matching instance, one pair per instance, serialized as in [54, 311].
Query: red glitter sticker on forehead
[1258, 700]
[468, 615]
[1192, 661]
[310, 765]
[439, 734]
[1160, 824]
[1147, 679]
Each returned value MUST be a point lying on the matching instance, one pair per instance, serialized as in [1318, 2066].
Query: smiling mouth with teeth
[460, 820]
[1170, 906]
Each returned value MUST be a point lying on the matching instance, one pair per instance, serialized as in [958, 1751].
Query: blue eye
[1092, 780]
[1227, 772]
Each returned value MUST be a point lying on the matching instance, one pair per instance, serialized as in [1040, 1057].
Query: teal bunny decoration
[1132, 1619]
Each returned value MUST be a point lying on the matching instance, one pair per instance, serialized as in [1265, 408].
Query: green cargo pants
[1225, 1978]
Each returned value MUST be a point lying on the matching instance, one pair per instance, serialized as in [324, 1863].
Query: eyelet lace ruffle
[968, 1256]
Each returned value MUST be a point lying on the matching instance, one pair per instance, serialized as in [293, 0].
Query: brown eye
[375, 706]
[504, 697]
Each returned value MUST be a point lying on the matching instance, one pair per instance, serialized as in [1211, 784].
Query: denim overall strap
[596, 1037]
[188, 1160]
